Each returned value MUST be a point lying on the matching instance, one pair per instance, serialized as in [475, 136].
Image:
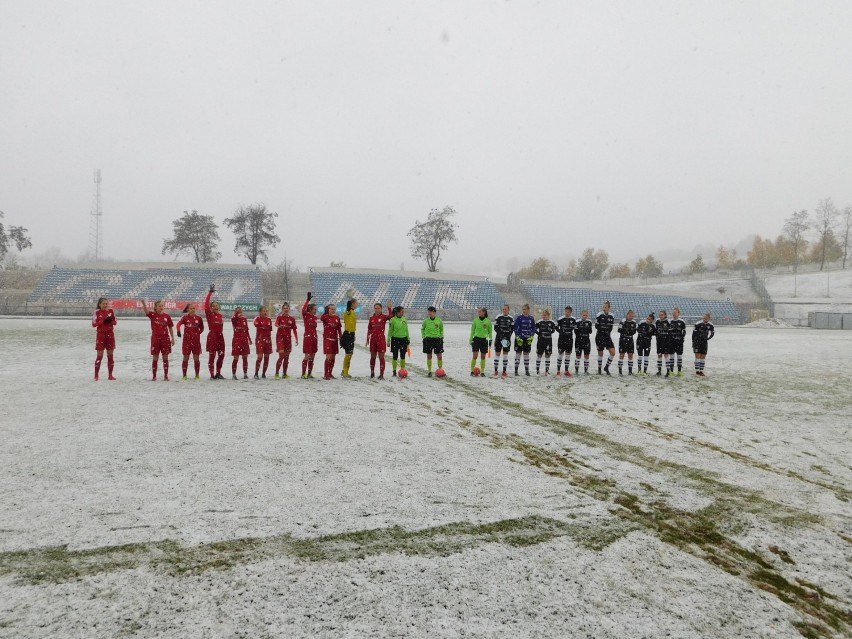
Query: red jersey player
[193, 327]
[286, 324]
[263, 340]
[332, 331]
[241, 342]
[215, 335]
[309, 341]
[162, 337]
[103, 319]
[376, 341]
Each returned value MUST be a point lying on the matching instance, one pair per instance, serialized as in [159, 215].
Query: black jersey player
[644, 332]
[663, 346]
[565, 344]
[544, 328]
[627, 329]
[604, 323]
[582, 342]
[701, 334]
[504, 326]
[677, 334]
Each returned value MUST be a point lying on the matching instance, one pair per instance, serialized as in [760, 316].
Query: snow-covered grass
[541, 506]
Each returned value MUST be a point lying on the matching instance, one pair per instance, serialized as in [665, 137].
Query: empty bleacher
[83, 286]
[411, 291]
[692, 308]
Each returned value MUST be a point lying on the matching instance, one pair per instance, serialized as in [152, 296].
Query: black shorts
[565, 344]
[699, 346]
[643, 347]
[523, 344]
[664, 346]
[583, 346]
[676, 346]
[544, 346]
[479, 345]
[347, 342]
[433, 345]
[499, 346]
[625, 345]
[603, 341]
[398, 346]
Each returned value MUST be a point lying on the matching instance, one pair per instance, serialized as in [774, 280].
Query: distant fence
[834, 321]
[762, 293]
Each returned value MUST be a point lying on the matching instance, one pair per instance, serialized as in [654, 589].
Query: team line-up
[574, 335]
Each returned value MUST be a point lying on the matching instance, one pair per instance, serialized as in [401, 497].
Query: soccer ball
[440, 372]
[477, 372]
[402, 373]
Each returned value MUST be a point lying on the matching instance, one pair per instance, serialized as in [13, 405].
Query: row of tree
[593, 264]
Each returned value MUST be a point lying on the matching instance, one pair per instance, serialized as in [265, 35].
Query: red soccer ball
[440, 372]
[402, 373]
[477, 372]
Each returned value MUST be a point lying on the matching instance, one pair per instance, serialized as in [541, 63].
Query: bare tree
[795, 227]
[254, 228]
[825, 215]
[195, 233]
[846, 221]
[434, 235]
[16, 236]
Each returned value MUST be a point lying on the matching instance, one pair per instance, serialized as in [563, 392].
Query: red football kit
[331, 333]
[376, 332]
[104, 338]
[286, 325]
[193, 327]
[215, 326]
[161, 342]
[263, 336]
[240, 342]
[309, 341]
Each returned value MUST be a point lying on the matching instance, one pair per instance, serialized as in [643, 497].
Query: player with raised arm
[702, 333]
[399, 338]
[504, 326]
[565, 325]
[286, 325]
[193, 327]
[240, 342]
[215, 336]
[677, 335]
[262, 340]
[481, 333]
[545, 328]
[332, 331]
[524, 334]
[583, 342]
[432, 333]
[376, 341]
[104, 321]
[604, 323]
[310, 340]
[663, 345]
[644, 332]
[162, 337]
[347, 341]
[627, 329]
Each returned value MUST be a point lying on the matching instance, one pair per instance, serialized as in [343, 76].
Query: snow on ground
[819, 285]
[542, 506]
[738, 290]
[772, 322]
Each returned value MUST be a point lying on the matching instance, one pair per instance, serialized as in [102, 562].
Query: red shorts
[378, 343]
[263, 346]
[105, 341]
[240, 345]
[330, 345]
[161, 345]
[309, 344]
[284, 341]
[215, 343]
[191, 345]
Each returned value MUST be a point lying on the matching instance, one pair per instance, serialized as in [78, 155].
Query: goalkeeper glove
[212, 288]
[309, 296]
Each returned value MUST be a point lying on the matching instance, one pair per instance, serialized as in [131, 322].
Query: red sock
[331, 365]
[154, 368]
[257, 365]
[211, 359]
[382, 366]
[372, 362]
[286, 363]
[310, 366]
[110, 364]
[184, 366]
[265, 363]
[97, 366]
[165, 368]
[278, 364]
[219, 362]
[234, 367]
[198, 367]
[245, 365]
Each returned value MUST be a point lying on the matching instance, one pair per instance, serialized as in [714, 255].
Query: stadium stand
[412, 291]
[83, 286]
[692, 308]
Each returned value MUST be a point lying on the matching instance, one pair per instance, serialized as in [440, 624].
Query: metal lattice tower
[96, 238]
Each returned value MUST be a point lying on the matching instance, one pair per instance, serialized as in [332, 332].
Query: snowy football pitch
[545, 507]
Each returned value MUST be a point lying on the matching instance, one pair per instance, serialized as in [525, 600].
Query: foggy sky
[550, 126]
